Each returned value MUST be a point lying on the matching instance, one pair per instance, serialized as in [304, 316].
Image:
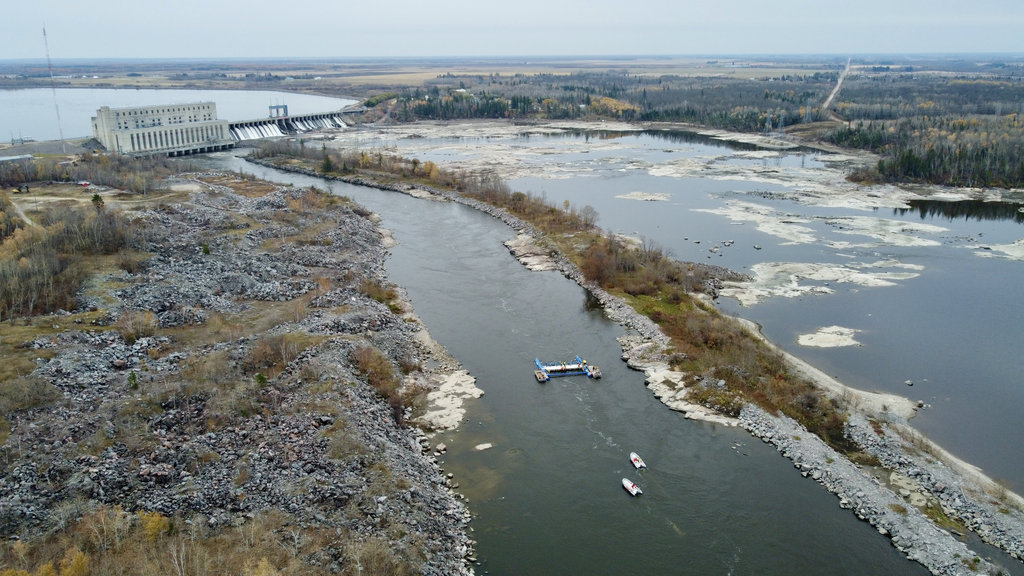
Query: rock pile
[159, 424]
[891, 512]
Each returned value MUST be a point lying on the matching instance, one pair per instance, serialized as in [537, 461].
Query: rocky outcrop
[188, 426]
[893, 512]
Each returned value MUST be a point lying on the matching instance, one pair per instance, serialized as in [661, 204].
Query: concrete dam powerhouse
[179, 129]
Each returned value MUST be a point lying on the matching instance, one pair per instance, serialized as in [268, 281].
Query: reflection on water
[964, 210]
[674, 135]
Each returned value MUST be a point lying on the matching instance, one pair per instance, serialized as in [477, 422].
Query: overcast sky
[388, 28]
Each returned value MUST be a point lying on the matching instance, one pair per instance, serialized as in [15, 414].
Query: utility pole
[53, 87]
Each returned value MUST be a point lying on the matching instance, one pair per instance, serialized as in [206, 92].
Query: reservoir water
[547, 498]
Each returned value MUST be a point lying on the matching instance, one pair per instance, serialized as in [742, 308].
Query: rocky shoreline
[913, 475]
[182, 427]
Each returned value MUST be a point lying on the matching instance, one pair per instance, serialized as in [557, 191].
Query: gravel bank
[181, 426]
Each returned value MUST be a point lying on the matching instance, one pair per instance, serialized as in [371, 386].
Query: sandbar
[830, 337]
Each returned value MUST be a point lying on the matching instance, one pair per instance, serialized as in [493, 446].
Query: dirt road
[835, 91]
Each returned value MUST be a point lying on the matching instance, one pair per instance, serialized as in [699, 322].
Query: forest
[960, 131]
[939, 122]
[138, 175]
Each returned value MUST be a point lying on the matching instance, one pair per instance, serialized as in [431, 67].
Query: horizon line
[519, 57]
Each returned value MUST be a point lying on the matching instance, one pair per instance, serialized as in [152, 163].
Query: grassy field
[361, 77]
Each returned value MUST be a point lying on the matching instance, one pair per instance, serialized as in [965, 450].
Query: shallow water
[949, 322]
[547, 497]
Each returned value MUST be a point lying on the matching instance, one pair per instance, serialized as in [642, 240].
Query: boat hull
[631, 487]
[637, 461]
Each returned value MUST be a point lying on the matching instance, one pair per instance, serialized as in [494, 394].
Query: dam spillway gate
[284, 125]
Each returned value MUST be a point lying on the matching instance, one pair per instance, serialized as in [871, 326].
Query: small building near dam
[172, 129]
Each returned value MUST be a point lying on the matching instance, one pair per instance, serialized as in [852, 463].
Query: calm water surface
[547, 497]
[954, 331]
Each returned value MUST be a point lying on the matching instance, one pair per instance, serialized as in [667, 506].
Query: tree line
[951, 124]
[139, 175]
[982, 151]
[42, 267]
[762, 105]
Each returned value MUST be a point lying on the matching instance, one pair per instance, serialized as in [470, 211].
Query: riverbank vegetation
[111, 540]
[729, 365]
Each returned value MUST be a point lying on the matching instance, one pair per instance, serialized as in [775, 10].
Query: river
[928, 291]
[547, 498]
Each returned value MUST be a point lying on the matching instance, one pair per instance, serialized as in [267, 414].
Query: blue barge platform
[545, 372]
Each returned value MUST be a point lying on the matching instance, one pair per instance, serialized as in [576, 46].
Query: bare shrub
[26, 392]
[380, 292]
[380, 374]
[74, 563]
[130, 263]
[409, 365]
[105, 528]
[265, 354]
[598, 265]
[135, 324]
[375, 557]
[378, 370]
[154, 524]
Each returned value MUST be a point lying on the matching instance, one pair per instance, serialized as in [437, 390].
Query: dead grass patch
[343, 441]
[209, 370]
[20, 360]
[259, 316]
[272, 353]
[249, 187]
[106, 540]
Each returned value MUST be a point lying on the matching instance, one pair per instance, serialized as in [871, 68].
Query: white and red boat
[631, 487]
[637, 461]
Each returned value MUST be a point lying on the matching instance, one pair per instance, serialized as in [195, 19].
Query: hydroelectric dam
[279, 123]
[181, 129]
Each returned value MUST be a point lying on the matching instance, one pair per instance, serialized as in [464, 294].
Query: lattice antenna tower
[53, 88]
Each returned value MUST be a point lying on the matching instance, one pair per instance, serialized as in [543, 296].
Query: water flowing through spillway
[256, 130]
